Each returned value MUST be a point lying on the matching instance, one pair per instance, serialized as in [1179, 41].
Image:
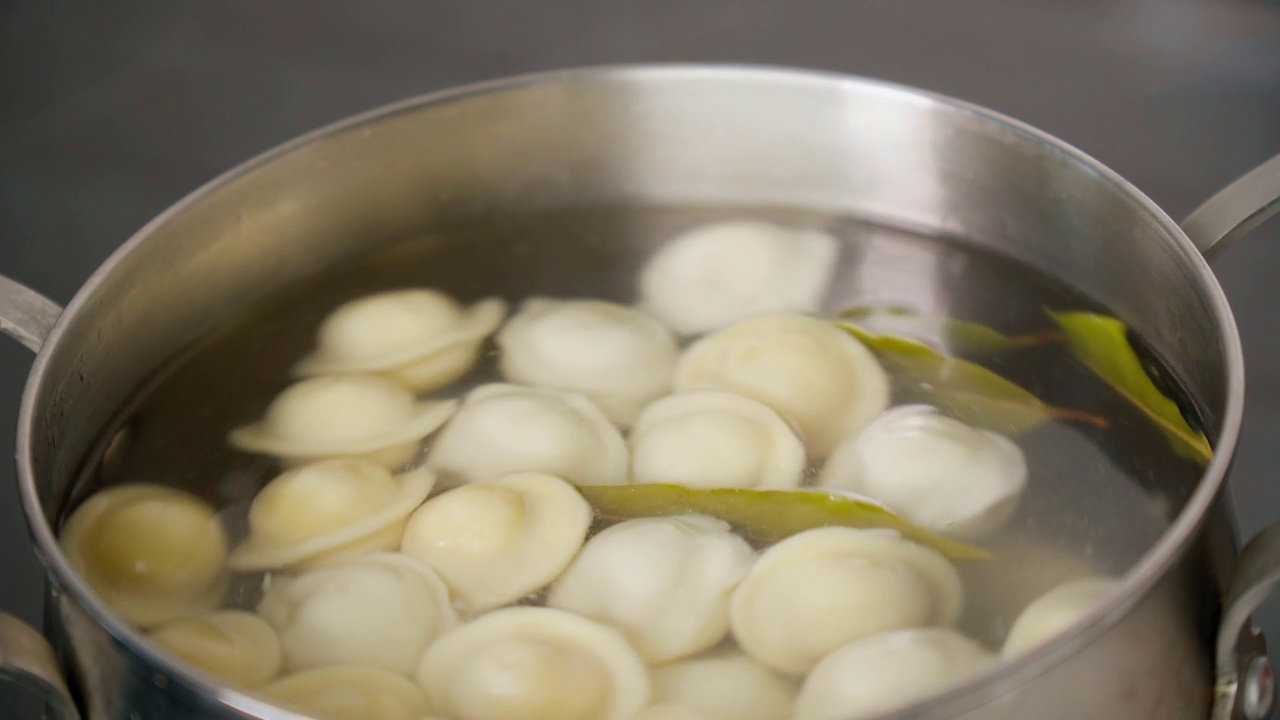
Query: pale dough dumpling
[813, 373]
[724, 685]
[671, 711]
[820, 589]
[1055, 611]
[503, 429]
[329, 510]
[616, 355]
[151, 553]
[663, 582]
[345, 415]
[533, 663]
[933, 470]
[494, 542]
[421, 338]
[715, 275]
[380, 610]
[882, 672]
[711, 438]
[234, 646]
[349, 692]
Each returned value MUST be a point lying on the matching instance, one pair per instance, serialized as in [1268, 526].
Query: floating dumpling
[349, 692]
[1055, 611]
[421, 338]
[715, 275]
[379, 610]
[616, 355]
[503, 429]
[663, 582]
[494, 542]
[813, 373]
[151, 553]
[931, 469]
[823, 588]
[724, 684]
[533, 663]
[348, 415]
[879, 673]
[329, 511]
[710, 438]
[234, 646]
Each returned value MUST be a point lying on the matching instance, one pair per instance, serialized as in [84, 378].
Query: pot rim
[979, 689]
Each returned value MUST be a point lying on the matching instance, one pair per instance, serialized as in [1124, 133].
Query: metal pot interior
[470, 191]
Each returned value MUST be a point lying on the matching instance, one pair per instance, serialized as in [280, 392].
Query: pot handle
[1244, 683]
[26, 315]
[27, 659]
[1235, 209]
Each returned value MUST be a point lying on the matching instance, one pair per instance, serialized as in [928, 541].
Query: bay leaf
[1101, 342]
[964, 390]
[766, 516]
[963, 337]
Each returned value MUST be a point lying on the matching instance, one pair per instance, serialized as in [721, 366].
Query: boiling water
[1096, 499]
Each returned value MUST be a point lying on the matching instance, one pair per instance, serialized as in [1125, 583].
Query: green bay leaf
[1102, 344]
[963, 337]
[766, 516]
[964, 390]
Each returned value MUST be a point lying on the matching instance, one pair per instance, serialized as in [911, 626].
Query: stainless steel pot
[725, 135]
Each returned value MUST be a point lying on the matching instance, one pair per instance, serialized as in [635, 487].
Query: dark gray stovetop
[111, 111]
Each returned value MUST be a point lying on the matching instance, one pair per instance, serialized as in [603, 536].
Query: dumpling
[822, 588]
[151, 553]
[328, 511]
[813, 373]
[349, 692]
[663, 582]
[234, 646]
[933, 470]
[1055, 611]
[494, 542]
[346, 415]
[503, 429]
[533, 663]
[724, 685]
[715, 275]
[710, 438]
[671, 711]
[616, 355]
[882, 672]
[379, 610]
[421, 338]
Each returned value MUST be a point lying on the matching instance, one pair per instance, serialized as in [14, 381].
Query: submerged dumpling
[328, 511]
[820, 589]
[503, 429]
[234, 646]
[723, 685]
[879, 673]
[533, 663]
[494, 542]
[1055, 611]
[616, 355]
[710, 438]
[931, 469]
[346, 415]
[421, 338]
[379, 610]
[715, 275]
[349, 692]
[151, 553]
[663, 582]
[813, 373]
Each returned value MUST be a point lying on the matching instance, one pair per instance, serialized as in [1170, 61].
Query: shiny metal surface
[1235, 210]
[26, 315]
[27, 659]
[735, 136]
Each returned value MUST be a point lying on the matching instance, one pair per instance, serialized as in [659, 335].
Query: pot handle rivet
[1245, 683]
[1257, 689]
[27, 658]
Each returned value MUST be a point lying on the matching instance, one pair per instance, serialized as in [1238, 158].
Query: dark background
[111, 111]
